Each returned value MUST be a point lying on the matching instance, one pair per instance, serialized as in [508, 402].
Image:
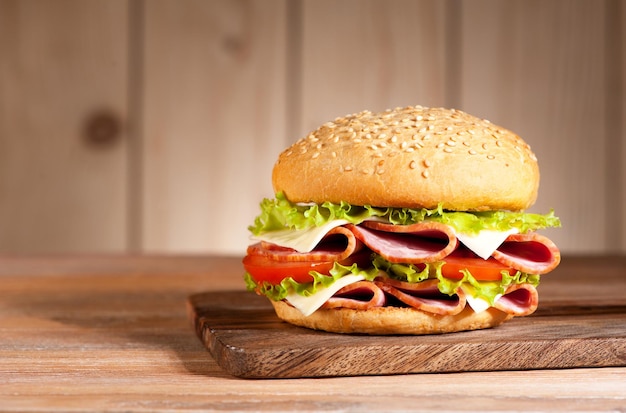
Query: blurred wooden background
[152, 126]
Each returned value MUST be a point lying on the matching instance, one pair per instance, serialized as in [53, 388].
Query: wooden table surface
[111, 333]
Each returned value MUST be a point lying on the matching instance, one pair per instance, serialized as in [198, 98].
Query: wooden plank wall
[203, 95]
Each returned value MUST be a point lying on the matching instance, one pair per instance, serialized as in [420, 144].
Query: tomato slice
[262, 268]
[481, 270]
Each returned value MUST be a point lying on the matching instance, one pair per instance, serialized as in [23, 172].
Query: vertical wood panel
[621, 125]
[60, 61]
[371, 55]
[214, 120]
[538, 68]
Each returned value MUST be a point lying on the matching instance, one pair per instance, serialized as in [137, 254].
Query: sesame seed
[499, 143]
[316, 154]
[366, 171]
[451, 143]
[413, 165]
[333, 154]
[466, 143]
[440, 145]
[447, 150]
[380, 171]
[471, 152]
[491, 157]
[425, 174]
[393, 139]
[484, 146]
[409, 150]
[426, 137]
[382, 136]
[427, 163]
[347, 168]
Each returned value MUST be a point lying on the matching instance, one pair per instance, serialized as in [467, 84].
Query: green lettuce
[279, 214]
[487, 290]
[278, 292]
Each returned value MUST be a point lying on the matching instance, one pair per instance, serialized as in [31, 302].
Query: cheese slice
[478, 304]
[309, 304]
[482, 244]
[301, 240]
[485, 242]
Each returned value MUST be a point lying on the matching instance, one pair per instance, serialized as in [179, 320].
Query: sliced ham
[519, 300]
[358, 296]
[531, 252]
[338, 244]
[416, 243]
[424, 296]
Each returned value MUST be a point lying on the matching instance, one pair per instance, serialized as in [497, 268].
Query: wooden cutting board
[246, 339]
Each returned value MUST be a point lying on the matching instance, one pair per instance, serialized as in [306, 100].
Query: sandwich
[407, 221]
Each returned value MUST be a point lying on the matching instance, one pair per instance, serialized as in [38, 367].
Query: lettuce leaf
[279, 214]
[487, 290]
[278, 292]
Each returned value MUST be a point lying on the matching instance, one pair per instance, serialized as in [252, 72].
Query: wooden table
[111, 333]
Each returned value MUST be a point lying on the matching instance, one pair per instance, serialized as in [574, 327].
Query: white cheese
[308, 305]
[478, 304]
[485, 242]
[301, 240]
[482, 244]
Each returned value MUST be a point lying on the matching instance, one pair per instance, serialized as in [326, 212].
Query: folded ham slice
[531, 252]
[337, 245]
[358, 296]
[518, 300]
[416, 243]
[424, 296]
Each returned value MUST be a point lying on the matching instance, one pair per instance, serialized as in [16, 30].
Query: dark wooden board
[246, 339]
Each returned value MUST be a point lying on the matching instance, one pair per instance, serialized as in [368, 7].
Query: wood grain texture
[250, 341]
[214, 120]
[360, 55]
[209, 92]
[61, 63]
[110, 333]
[538, 68]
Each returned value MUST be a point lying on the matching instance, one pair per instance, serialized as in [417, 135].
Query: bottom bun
[389, 320]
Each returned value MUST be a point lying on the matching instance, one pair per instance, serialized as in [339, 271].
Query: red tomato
[481, 270]
[262, 268]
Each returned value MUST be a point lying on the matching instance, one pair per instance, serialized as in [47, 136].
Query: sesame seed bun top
[413, 157]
